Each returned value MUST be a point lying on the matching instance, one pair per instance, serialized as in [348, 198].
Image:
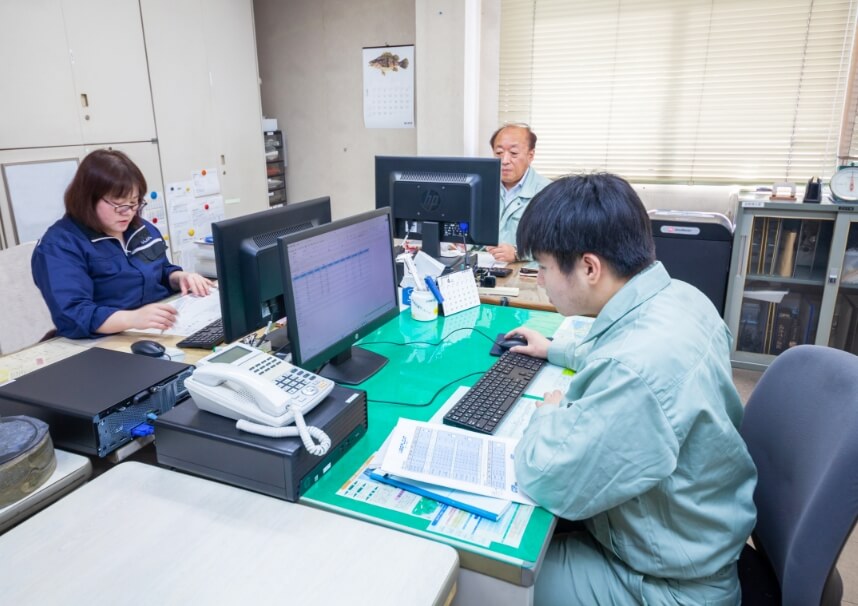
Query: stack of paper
[471, 471]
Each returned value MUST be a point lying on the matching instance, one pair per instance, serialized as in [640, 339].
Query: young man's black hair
[598, 213]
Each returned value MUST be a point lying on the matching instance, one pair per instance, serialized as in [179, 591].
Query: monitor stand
[279, 340]
[431, 235]
[453, 264]
[353, 366]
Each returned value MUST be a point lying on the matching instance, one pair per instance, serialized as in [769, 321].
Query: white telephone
[262, 392]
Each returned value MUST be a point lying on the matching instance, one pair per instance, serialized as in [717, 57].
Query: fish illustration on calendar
[388, 61]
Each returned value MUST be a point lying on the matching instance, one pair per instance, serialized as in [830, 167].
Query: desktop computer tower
[696, 250]
[205, 444]
[94, 400]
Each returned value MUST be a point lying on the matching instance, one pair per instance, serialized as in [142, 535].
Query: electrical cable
[435, 395]
[444, 338]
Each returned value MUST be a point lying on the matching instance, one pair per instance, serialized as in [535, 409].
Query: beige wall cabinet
[80, 78]
[205, 86]
[75, 73]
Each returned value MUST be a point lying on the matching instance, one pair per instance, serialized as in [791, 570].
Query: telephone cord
[301, 430]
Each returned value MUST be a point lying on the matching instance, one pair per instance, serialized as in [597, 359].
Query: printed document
[194, 313]
[455, 458]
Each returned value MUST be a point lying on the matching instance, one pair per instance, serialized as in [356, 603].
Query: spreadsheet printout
[455, 458]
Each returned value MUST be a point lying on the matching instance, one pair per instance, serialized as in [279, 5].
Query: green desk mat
[413, 375]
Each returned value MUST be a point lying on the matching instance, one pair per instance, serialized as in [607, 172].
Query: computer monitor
[340, 285]
[250, 281]
[440, 199]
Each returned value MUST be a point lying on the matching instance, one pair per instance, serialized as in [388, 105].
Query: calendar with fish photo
[388, 82]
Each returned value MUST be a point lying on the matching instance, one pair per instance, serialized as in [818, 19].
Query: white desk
[72, 470]
[139, 534]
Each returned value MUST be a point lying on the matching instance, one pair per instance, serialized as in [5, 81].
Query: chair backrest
[24, 316]
[801, 428]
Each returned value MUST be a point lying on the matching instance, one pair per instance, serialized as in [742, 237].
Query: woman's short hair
[104, 172]
[598, 213]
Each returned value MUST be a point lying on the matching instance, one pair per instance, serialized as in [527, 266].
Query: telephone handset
[262, 392]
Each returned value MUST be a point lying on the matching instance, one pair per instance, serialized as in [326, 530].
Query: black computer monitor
[250, 281]
[340, 285]
[440, 199]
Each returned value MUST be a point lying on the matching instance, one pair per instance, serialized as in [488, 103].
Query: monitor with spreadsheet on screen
[440, 199]
[340, 285]
[248, 267]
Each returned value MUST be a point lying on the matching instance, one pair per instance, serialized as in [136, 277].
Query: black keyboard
[486, 403]
[206, 337]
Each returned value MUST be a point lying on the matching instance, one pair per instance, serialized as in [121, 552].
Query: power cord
[435, 395]
[444, 338]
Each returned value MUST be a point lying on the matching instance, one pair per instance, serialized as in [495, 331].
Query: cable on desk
[435, 395]
[444, 338]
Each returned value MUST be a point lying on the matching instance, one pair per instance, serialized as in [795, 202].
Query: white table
[72, 471]
[139, 534]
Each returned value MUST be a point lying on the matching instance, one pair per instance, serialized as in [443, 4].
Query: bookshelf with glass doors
[793, 279]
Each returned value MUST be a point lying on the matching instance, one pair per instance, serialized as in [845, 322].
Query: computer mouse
[512, 341]
[148, 348]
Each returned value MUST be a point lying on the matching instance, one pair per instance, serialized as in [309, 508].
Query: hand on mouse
[537, 345]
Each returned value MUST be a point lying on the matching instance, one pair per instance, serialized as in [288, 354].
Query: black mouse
[512, 341]
[148, 348]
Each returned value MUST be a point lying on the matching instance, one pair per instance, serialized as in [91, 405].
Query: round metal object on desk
[27, 457]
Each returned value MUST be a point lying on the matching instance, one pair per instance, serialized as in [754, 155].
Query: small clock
[844, 184]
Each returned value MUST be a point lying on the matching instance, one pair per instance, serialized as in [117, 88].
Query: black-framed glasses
[124, 209]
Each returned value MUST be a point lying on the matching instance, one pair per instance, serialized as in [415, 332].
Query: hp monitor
[440, 199]
[248, 267]
[339, 282]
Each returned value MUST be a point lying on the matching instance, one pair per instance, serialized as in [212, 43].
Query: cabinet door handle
[833, 274]
[743, 248]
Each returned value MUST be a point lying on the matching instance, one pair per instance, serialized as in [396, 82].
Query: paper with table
[194, 313]
[454, 458]
[487, 507]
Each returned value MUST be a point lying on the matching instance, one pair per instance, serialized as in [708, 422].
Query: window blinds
[681, 91]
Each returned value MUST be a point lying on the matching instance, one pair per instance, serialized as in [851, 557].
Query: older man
[515, 145]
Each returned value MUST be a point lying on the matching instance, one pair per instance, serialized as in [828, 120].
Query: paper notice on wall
[205, 182]
[156, 211]
[204, 212]
[180, 203]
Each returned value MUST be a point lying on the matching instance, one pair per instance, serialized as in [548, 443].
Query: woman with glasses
[102, 268]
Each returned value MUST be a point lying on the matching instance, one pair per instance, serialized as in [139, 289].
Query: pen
[434, 288]
[265, 334]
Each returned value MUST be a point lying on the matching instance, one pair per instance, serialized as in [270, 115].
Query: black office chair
[801, 428]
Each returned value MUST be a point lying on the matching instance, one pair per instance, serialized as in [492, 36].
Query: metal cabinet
[275, 166]
[793, 279]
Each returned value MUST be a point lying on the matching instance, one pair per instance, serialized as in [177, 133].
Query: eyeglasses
[124, 209]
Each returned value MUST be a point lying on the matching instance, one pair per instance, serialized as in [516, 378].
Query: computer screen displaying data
[340, 284]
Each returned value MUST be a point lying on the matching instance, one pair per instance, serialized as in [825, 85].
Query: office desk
[414, 374]
[123, 341]
[143, 535]
[530, 295]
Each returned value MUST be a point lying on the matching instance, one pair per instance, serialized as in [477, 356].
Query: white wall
[310, 64]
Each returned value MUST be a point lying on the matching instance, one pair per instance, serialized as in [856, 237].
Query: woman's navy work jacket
[85, 276]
